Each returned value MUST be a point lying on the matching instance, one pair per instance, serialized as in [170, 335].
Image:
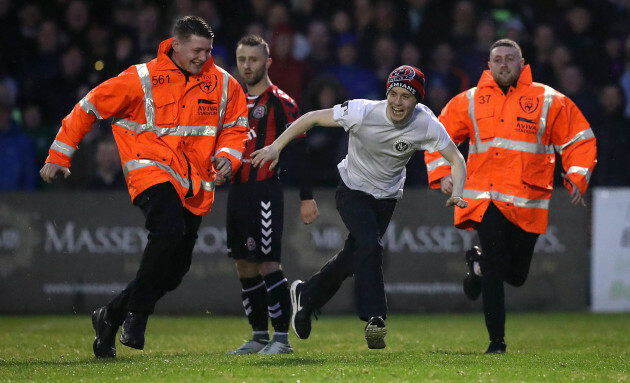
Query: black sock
[254, 295]
[279, 302]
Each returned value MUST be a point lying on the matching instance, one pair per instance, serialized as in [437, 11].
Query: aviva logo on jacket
[207, 107]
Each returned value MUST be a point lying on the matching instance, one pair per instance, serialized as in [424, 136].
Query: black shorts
[255, 217]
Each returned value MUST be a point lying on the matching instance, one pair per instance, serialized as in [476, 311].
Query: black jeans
[367, 219]
[507, 254]
[167, 256]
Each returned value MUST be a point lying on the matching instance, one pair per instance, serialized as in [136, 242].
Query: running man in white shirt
[383, 135]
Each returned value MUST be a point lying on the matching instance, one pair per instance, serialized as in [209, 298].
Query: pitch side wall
[65, 252]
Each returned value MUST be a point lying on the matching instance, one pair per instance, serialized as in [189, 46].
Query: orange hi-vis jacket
[167, 126]
[511, 155]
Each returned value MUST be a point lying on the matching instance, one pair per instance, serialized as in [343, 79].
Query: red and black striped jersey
[269, 115]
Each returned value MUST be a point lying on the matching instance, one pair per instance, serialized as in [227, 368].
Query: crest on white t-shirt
[402, 146]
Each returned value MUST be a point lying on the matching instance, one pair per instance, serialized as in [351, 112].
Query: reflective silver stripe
[207, 185]
[230, 151]
[436, 163]
[528, 147]
[548, 100]
[145, 81]
[207, 130]
[471, 113]
[88, 107]
[481, 147]
[63, 148]
[224, 96]
[580, 170]
[583, 135]
[243, 121]
[137, 164]
[517, 201]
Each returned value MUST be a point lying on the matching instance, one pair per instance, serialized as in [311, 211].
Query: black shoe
[496, 347]
[105, 340]
[375, 332]
[472, 282]
[300, 315]
[132, 334]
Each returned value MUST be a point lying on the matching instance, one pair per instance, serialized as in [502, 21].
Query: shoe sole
[294, 305]
[375, 336]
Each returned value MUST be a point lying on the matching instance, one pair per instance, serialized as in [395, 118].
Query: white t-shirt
[378, 151]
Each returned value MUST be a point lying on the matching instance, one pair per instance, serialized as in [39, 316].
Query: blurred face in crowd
[107, 157]
[192, 53]
[505, 65]
[400, 105]
[252, 63]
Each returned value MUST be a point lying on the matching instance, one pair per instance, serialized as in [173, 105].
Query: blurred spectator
[543, 44]
[384, 57]
[416, 12]
[17, 156]
[581, 38]
[125, 52]
[318, 37]
[327, 146]
[29, 16]
[76, 22]
[442, 70]
[358, 81]
[287, 73]
[38, 75]
[560, 59]
[41, 134]
[410, 54]
[463, 27]
[612, 130]
[572, 85]
[613, 58]
[108, 173]
[474, 59]
[150, 34]
[437, 95]
[69, 87]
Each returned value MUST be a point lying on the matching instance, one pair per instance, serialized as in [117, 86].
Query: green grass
[428, 348]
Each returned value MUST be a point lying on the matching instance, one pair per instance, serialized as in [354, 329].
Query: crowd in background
[52, 52]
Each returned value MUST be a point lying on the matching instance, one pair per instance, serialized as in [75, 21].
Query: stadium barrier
[65, 252]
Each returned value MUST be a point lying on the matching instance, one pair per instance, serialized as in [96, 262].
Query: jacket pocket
[485, 122]
[165, 111]
[538, 172]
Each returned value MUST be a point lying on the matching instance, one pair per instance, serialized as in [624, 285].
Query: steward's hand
[576, 195]
[309, 211]
[264, 155]
[49, 171]
[446, 184]
[456, 201]
[223, 167]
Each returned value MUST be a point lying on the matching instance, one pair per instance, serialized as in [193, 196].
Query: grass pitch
[420, 348]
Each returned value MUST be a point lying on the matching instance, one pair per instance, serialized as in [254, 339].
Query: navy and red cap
[407, 77]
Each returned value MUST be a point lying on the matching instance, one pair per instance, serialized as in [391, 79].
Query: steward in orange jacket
[514, 126]
[180, 123]
[164, 122]
[511, 155]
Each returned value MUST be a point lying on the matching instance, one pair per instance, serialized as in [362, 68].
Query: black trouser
[507, 254]
[167, 256]
[367, 219]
